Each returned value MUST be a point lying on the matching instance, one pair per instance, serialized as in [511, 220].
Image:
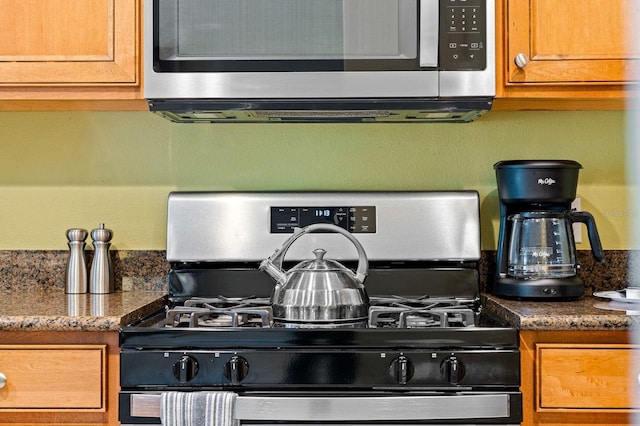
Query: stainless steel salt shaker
[101, 279]
[76, 274]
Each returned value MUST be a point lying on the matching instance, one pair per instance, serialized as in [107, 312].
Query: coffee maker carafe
[536, 251]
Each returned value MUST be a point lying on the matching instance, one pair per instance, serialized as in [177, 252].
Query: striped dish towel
[198, 409]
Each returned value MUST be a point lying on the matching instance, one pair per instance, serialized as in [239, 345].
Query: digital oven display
[361, 219]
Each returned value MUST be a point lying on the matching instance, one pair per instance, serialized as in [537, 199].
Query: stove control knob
[401, 369]
[236, 369]
[185, 369]
[452, 370]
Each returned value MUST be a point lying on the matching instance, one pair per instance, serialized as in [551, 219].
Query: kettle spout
[272, 270]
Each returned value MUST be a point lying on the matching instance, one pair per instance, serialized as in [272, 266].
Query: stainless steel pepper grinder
[76, 273]
[101, 279]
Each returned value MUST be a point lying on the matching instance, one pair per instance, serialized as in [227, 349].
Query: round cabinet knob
[452, 370]
[236, 369]
[521, 60]
[185, 369]
[3, 380]
[401, 370]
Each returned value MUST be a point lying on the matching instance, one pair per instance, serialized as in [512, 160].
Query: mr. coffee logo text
[546, 181]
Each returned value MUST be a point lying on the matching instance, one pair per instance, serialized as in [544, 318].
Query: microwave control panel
[463, 34]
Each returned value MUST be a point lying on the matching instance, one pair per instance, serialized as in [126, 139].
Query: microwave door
[286, 35]
[292, 49]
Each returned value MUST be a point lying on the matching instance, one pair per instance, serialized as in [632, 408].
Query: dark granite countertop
[54, 310]
[32, 296]
[586, 313]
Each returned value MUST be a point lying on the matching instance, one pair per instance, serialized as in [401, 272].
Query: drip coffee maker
[536, 255]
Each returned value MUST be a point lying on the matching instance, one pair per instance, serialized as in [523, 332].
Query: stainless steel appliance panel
[227, 227]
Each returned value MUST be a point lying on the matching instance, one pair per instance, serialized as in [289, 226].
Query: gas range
[426, 335]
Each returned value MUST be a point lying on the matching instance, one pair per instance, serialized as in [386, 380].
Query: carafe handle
[594, 237]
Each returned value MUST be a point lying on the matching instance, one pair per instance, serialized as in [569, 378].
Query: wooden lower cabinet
[63, 378]
[579, 378]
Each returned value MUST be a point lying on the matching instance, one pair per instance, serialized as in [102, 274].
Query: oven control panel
[357, 220]
[249, 226]
[282, 368]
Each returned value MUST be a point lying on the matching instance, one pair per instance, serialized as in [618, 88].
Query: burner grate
[384, 312]
[221, 312]
[421, 312]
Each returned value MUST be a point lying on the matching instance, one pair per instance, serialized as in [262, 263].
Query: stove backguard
[391, 226]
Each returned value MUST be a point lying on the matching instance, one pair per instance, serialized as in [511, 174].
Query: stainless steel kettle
[318, 290]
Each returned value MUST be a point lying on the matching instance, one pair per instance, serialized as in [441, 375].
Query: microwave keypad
[463, 35]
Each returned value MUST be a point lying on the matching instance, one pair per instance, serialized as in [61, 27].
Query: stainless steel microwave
[319, 60]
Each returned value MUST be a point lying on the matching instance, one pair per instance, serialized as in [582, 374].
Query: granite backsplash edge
[616, 273]
[46, 269]
[147, 269]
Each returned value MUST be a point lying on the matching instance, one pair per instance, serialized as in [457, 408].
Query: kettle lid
[319, 264]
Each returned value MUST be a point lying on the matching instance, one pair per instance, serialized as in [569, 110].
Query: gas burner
[423, 302]
[396, 317]
[421, 312]
[222, 302]
[221, 312]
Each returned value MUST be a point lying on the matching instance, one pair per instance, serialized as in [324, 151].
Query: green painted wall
[77, 169]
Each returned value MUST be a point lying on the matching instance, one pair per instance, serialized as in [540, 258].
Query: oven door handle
[326, 409]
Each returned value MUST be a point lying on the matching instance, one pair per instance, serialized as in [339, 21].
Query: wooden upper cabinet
[69, 50]
[568, 49]
[68, 42]
[571, 41]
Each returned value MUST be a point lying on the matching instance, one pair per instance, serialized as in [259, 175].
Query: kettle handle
[273, 264]
[594, 237]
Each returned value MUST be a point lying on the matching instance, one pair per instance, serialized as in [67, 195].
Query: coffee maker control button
[549, 291]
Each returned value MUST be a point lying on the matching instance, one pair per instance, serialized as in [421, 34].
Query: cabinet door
[587, 377]
[571, 41]
[68, 42]
[58, 377]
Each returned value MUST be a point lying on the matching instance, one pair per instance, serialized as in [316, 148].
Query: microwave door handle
[429, 31]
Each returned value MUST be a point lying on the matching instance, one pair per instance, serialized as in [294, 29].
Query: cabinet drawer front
[584, 377]
[53, 377]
